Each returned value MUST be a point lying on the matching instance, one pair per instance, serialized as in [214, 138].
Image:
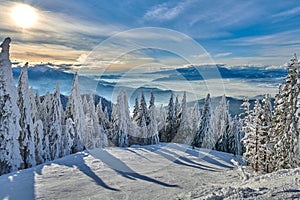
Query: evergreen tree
[75, 112]
[55, 132]
[45, 110]
[121, 121]
[204, 137]
[252, 127]
[235, 138]
[152, 127]
[136, 108]
[26, 138]
[194, 120]
[170, 132]
[10, 158]
[222, 126]
[38, 130]
[184, 133]
[285, 137]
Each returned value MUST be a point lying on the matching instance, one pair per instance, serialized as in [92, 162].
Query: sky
[233, 32]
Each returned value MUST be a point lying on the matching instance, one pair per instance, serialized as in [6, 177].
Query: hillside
[164, 171]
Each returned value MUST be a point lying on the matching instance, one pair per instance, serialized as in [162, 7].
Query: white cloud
[165, 11]
[287, 13]
[225, 54]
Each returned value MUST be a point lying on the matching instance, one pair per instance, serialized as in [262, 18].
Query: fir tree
[26, 138]
[204, 136]
[152, 127]
[222, 126]
[10, 158]
[75, 112]
[184, 133]
[285, 137]
[55, 131]
[38, 130]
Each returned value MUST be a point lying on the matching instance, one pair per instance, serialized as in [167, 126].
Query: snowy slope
[164, 171]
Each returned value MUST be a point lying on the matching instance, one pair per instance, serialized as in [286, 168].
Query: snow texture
[162, 171]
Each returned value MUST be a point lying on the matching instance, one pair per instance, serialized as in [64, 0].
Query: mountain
[193, 73]
[234, 103]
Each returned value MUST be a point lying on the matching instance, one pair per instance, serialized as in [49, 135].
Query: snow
[162, 171]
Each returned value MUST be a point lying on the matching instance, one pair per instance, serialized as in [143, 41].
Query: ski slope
[163, 171]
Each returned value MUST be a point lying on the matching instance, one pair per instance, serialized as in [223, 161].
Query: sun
[24, 15]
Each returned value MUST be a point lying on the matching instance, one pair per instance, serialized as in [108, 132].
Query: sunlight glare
[24, 15]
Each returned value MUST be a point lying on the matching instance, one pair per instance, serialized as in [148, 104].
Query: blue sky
[232, 32]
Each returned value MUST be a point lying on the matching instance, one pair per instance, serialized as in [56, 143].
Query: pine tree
[204, 137]
[26, 138]
[68, 136]
[194, 120]
[37, 129]
[235, 138]
[265, 133]
[170, 131]
[152, 127]
[136, 108]
[184, 133]
[10, 158]
[222, 126]
[121, 121]
[285, 137]
[75, 112]
[55, 131]
[252, 127]
[45, 110]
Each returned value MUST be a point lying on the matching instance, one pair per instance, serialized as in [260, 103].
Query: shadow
[137, 153]
[18, 185]
[174, 159]
[189, 160]
[197, 153]
[121, 168]
[78, 162]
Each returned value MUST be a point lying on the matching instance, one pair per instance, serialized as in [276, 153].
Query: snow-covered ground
[163, 171]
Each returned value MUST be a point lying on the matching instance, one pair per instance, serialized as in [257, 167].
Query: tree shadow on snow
[204, 155]
[18, 185]
[177, 159]
[78, 162]
[121, 168]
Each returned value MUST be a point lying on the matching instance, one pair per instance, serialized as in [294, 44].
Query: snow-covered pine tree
[136, 108]
[68, 137]
[55, 131]
[26, 138]
[204, 137]
[161, 120]
[45, 108]
[37, 129]
[235, 138]
[75, 112]
[184, 133]
[121, 121]
[252, 127]
[266, 131]
[102, 117]
[285, 137]
[170, 131]
[10, 158]
[152, 127]
[222, 128]
[194, 120]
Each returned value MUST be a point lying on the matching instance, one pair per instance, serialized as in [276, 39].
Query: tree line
[35, 129]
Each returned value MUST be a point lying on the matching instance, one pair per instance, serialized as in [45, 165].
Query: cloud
[225, 54]
[287, 13]
[165, 11]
